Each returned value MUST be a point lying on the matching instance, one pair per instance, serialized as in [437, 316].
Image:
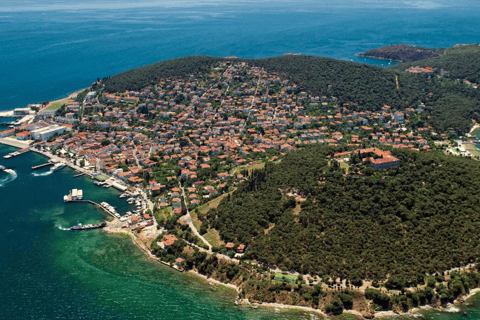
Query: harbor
[76, 195]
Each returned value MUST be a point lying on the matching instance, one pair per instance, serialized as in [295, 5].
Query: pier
[16, 153]
[49, 163]
[97, 205]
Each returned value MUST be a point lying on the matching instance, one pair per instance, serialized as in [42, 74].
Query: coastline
[114, 227]
[378, 58]
[284, 306]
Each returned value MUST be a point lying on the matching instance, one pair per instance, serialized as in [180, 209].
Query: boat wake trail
[64, 229]
[12, 175]
[43, 174]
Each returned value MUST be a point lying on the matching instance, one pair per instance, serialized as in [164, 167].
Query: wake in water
[64, 229]
[43, 174]
[12, 175]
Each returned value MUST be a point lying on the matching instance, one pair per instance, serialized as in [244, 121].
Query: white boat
[57, 166]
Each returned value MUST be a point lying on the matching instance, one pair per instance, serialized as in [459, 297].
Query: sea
[51, 48]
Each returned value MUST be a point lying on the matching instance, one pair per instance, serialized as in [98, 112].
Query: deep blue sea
[51, 48]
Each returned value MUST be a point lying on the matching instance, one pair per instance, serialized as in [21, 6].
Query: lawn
[56, 105]
[212, 235]
[288, 277]
[211, 204]
[472, 149]
[248, 167]
[476, 133]
[344, 165]
[163, 213]
[101, 177]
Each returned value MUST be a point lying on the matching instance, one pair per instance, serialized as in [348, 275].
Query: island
[301, 182]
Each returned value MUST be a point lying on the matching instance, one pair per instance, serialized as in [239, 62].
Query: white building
[22, 111]
[46, 133]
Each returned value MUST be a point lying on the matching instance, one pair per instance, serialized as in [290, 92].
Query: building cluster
[199, 127]
[378, 159]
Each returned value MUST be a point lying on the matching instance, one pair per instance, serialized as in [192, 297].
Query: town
[201, 132]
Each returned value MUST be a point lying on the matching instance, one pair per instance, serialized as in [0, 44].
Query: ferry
[58, 166]
[80, 227]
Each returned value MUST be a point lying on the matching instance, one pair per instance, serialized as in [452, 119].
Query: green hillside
[462, 61]
[419, 218]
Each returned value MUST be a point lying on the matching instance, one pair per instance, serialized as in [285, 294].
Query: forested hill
[461, 61]
[370, 86]
[419, 218]
[401, 52]
[139, 78]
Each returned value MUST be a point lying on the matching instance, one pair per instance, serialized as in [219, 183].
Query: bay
[49, 273]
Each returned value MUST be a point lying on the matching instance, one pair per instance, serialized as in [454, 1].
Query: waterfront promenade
[15, 143]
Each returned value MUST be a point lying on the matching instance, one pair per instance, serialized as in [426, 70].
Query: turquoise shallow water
[47, 273]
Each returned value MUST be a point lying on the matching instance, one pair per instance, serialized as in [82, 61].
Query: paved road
[188, 219]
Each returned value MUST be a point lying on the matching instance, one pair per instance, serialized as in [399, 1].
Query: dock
[42, 165]
[109, 212]
[16, 153]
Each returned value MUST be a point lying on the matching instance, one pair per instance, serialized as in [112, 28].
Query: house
[169, 240]
[230, 245]
[24, 135]
[7, 133]
[241, 248]
[179, 261]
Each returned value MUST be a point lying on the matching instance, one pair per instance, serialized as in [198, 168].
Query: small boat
[2, 168]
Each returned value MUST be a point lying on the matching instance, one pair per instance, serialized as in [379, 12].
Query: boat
[80, 227]
[2, 168]
[57, 166]
[123, 195]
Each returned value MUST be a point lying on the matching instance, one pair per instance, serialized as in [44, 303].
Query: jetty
[104, 206]
[49, 163]
[16, 153]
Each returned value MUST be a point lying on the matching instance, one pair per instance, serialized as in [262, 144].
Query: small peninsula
[401, 52]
